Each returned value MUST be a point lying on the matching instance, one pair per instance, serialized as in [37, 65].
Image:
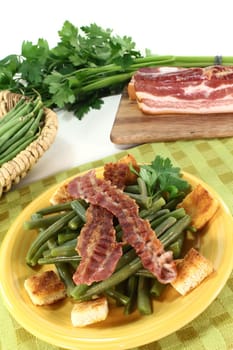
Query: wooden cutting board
[131, 126]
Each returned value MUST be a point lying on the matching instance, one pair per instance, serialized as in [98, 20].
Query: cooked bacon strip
[136, 231]
[97, 246]
[167, 90]
[97, 240]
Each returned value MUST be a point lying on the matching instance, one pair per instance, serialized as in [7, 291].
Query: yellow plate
[52, 323]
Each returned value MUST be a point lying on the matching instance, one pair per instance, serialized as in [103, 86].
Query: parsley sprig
[162, 176]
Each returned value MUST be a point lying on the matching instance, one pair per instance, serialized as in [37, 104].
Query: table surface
[167, 27]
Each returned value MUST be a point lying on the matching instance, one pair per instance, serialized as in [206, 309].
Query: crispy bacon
[97, 246]
[167, 90]
[97, 240]
[136, 231]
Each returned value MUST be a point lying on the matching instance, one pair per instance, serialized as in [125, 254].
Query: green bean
[142, 187]
[166, 224]
[64, 237]
[58, 259]
[143, 296]
[35, 125]
[17, 136]
[79, 291]
[74, 262]
[131, 291]
[152, 212]
[62, 250]
[172, 203]
[157, 288]
[175, 231]
[16, 112]
[66, 249]
[142, 200]
[80, 209]
[42, 222]
[126, 258]
[51, 243]
[120, 298]
[110, 282]
[47, 253]
[47, 234]
[17, 150]
[145, 273]
[75, 223]
[177, 213]
[42, 250]
[156, 215]
[66, 276]
[36, 216]
[13, 111]
[176, 247]
[10, 128]
[132, 189]
[55, 208]
[38, 254]
[121, 288]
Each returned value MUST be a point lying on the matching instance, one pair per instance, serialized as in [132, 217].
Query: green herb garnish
[162, 176]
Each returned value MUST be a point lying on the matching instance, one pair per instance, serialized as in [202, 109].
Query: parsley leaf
[35, 57]
[162, 176]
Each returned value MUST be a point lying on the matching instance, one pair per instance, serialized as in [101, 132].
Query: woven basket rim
[14, 170]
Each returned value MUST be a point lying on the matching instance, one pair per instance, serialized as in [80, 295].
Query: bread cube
[45, 288]
[200, 205]
[89, 312]
[191, 271]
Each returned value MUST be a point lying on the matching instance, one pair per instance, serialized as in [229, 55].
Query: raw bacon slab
[168, 90]
[136, 231]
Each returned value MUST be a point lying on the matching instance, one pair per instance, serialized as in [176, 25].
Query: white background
[165, 27]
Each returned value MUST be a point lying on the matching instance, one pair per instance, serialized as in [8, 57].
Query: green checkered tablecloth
[212, 161]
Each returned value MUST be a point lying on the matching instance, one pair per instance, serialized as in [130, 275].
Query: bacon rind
[136, 231]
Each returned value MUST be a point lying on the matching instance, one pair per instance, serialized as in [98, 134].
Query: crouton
[129, 159]
[200, 205]
[45, 288]
[119, 172]
[88, 312]
[61, 195]
[191, 271]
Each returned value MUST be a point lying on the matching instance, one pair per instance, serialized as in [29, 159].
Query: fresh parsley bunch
[86, 65]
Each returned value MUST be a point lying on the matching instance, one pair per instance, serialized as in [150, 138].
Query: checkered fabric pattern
[212, 161]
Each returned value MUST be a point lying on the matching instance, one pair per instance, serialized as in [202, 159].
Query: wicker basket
[17, 168]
